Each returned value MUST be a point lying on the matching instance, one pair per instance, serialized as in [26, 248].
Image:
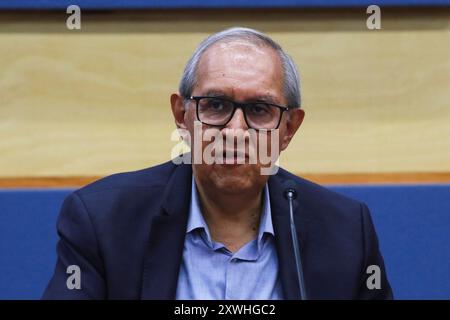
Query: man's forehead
[239, 46]
[224, 71]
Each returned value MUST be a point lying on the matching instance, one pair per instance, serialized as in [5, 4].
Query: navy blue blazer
[126, 233]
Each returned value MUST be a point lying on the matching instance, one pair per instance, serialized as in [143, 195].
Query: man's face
[241, 72]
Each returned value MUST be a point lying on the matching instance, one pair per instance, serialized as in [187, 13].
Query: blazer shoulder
[320, 197]
[156, 176]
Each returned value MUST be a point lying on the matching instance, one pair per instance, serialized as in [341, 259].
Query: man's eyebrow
[257, 98]
[216, 93]
[265, 98]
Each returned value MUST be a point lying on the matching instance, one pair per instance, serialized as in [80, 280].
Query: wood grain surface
[93, 102]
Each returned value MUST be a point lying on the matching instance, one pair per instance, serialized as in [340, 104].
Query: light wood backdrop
[96, 101]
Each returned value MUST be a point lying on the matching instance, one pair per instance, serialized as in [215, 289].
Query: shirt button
[233, 260]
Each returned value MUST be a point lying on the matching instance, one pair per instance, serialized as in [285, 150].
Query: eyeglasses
[218, 111]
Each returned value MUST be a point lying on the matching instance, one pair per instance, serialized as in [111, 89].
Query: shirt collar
[196, 220]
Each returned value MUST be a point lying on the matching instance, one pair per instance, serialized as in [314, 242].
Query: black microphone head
[289, 189]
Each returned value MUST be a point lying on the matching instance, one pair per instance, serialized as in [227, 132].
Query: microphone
[290, 194]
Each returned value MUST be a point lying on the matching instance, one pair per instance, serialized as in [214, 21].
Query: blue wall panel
[149, 4]
[27, 241]
[413, 225]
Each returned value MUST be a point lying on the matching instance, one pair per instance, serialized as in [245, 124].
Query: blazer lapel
[283, 240]
[167, 233]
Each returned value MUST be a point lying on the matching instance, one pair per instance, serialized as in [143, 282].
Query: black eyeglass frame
[237, 105]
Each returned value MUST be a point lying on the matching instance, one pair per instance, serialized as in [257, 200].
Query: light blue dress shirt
[210, 271]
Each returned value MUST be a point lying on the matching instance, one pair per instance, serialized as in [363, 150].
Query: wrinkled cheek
[267, 148]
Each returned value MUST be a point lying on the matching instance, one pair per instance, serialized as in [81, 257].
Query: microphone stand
[292, 194]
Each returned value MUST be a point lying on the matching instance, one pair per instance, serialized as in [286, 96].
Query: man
[220, 229]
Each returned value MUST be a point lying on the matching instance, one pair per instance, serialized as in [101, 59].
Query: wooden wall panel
[96, 101]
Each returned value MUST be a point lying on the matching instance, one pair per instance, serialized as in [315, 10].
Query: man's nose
[238, 120]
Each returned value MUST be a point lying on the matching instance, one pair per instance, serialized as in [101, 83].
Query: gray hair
[291, 79]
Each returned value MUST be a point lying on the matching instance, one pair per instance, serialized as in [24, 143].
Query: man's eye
[216, 105]
[259, 109]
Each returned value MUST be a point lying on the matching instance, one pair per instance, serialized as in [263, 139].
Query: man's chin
[236, 178]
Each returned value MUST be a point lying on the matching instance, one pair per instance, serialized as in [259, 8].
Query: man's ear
[178, 110]
[294, 120]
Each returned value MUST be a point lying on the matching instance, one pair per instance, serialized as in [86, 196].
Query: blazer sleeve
[77, 246]
[372, 257]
